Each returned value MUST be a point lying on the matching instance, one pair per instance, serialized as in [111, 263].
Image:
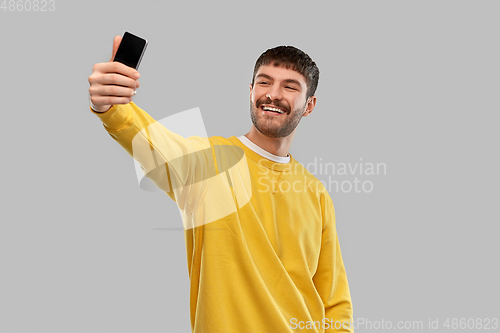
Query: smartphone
[131, 50]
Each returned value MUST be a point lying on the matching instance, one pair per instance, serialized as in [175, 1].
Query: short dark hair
[291, 57]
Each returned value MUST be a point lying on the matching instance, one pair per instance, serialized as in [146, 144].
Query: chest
[288, 209]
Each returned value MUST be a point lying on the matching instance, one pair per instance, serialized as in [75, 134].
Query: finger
[117, 91]
[110, 100]
[115, 67]
[117, 80]
[118, 67]
[116, 43]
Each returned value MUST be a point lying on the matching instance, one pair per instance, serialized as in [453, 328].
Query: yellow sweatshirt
[262, 249]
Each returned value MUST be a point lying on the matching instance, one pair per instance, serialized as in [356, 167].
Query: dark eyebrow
[294, 82]
[287, 80]
[264, 75]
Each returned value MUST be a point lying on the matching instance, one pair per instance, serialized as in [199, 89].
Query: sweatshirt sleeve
[175, 164]
[330, 278]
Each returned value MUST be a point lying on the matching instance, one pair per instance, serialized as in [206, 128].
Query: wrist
[96, 108]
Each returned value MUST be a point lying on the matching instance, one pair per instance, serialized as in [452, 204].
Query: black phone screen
[131, 50]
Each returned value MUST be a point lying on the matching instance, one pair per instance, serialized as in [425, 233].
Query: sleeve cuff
[118, 117]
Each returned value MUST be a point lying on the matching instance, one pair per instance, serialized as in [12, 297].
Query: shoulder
[226, 152]
[299, 170]
[219, 140]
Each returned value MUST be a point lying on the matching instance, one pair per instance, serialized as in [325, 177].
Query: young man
[262, 249]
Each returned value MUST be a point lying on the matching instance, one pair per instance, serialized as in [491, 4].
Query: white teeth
[267, 108]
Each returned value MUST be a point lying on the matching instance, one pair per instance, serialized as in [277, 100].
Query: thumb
[116, 43]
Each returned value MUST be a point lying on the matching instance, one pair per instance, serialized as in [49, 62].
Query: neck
[276, 146]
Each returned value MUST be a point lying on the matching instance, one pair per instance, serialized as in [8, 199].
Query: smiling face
[278, 100]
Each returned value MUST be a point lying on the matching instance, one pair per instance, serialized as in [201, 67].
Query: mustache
[276, 103]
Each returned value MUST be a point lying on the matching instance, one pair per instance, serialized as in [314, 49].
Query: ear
[311, 103]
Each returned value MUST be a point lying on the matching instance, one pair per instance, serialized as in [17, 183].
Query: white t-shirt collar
[264, 153]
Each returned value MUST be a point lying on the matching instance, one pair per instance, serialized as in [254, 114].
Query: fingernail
[136, 75]
[135, 92]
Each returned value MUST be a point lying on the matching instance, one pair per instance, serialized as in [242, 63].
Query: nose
[274, 93]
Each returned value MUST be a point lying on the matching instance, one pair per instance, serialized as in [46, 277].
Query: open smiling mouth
[272, 110]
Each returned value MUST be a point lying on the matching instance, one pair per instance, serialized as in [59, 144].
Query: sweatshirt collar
[261, 156]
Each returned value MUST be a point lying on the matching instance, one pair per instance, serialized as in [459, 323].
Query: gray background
[412, 84]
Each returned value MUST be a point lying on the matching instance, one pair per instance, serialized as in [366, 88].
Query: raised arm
[181, 167]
